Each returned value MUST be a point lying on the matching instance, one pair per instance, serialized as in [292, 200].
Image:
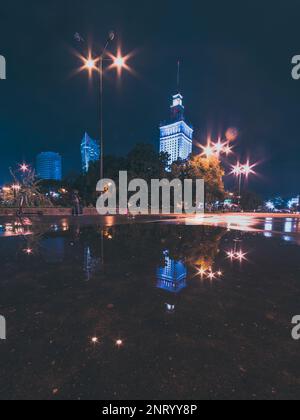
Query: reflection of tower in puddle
[171, 278]
[90, 263]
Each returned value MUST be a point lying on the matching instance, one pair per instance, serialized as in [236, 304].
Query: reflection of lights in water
[268, 227]
[55, 228]
[119, 343]
[107, 234]
[241, 256]
[90, 263]
[238, 222]
[65, 225]
[16, 228]
[235, 254]
[288, 226]
[208, 274]
[231, 255]
[110, 220]
[202, 272]
[211, 275]
[170, 308]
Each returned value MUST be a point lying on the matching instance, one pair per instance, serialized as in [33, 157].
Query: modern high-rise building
[90, 152]
[176, 137]
[49, 166]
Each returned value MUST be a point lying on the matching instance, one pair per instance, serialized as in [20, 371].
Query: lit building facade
[49, 166]
[172, 277]
[176, 137]
[90, 152]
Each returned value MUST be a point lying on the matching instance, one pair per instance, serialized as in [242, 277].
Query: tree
[27, 190]
[144, 162]
[250, 201]
[199, 167]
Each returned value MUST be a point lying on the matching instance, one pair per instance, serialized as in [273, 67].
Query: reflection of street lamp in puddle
[95, 340]
[235, 254]
[170, 308]
[208, 274]
[119, 343]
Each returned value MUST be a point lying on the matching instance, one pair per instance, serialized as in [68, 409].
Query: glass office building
[90, 152]
[49, 166]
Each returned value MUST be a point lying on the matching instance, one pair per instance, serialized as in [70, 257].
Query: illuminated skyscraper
[49, 166]
[176, 138]
[90, 152]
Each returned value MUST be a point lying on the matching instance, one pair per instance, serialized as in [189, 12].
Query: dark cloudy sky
[236, 71]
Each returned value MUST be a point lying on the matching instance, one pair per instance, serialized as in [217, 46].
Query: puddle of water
[149, 311]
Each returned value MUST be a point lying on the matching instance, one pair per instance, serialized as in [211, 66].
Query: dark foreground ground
[184, 335]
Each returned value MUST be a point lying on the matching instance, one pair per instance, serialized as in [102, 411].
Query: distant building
[176, 137]
[49, 166]
[294, 203]
[172, 277]
[90, 152]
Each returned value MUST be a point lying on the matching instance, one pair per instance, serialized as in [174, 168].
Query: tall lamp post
[242, 170]
[97, 64]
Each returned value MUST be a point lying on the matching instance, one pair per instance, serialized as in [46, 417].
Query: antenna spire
[178, 75]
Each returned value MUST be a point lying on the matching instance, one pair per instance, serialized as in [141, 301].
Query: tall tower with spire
[176, 137]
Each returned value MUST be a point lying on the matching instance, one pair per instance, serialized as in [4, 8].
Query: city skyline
[230, 77]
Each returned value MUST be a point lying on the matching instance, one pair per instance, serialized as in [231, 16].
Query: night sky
[236, 71]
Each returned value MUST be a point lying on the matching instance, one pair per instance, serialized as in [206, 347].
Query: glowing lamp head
[90, 64]
[237, 170]
[248, 169]
[119, 62]
[208, 150]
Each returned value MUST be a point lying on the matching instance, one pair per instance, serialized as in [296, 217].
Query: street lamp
[208, 150]
[97, 64]
[239, 170]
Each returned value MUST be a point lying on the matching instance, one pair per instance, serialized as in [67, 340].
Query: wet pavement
[158, 310]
